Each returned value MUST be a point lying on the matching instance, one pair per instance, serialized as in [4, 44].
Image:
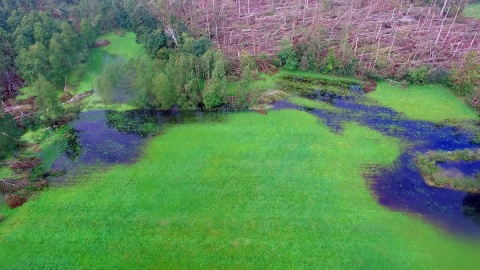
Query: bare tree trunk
[443, 8]
[453, 22]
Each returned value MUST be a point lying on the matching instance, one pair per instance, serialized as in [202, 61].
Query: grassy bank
[269, 82]
[423, 102]
[258, 191]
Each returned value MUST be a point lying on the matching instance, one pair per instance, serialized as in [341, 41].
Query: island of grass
[431, 102]
[427, 164]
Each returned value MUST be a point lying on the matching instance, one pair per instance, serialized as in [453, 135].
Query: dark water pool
[401, 187]
[110, 137]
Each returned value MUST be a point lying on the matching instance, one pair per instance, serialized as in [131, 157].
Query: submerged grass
[269, 82]
[423, 102]
[258, 191]
[314, 104]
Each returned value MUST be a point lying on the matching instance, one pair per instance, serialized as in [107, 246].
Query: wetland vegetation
[163, 151]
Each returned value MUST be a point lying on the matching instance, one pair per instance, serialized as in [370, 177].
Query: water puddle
[401, 187]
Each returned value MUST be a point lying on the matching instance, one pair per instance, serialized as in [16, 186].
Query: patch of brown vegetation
[24, 164]
[40, 185]
[14, 201]
[101, 43]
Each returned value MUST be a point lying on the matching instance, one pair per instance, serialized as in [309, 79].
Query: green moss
[472, 11]
[423, 102]
[258, 191]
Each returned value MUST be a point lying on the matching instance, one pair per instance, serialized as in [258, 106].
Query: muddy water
[401, 187]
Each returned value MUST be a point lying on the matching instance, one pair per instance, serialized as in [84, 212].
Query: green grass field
[423, 102]
[472, 11]
[257, 191]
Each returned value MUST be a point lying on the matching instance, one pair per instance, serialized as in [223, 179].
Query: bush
[14, 201]
[287, 56]
[418, 76]
[438, 75]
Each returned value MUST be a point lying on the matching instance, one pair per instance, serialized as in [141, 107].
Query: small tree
[214, 91]
[9, 135]
[87, 33]
[287, 56]
[46, 99]
[331, 62]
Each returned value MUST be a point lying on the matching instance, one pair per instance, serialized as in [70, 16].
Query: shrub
[330, 61]
[438, 75]
[14, 201]
[287, 56]
[418, 76]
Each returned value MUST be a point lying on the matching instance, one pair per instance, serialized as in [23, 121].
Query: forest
[200, 117]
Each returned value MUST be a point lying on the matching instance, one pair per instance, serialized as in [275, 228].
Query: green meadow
[255, 191]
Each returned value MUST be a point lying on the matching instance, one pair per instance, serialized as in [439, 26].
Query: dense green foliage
[418, 76]
[9, 135]
[46, 99]
[251, 199]
[464, 79]
[184, 79]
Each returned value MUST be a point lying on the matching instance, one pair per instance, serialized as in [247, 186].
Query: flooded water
[109, 137]
[459, 168]
[401, 187]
